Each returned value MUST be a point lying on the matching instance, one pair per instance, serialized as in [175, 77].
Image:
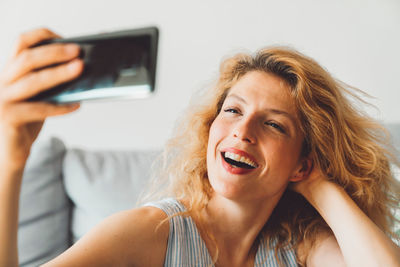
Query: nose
[245, 130]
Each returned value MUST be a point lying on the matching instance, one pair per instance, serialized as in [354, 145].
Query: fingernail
[72, 49]
[74, 64]
[74, 105]
[69, 105]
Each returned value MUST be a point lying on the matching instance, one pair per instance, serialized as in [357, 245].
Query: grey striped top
[187, 248]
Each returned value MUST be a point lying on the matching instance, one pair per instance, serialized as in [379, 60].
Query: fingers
[28, 39]
[38, 57]
[36, 82]
[27, 112]
[24, 77]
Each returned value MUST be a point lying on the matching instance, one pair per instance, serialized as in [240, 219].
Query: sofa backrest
[65, 192]
[44, 215]
[101, 183]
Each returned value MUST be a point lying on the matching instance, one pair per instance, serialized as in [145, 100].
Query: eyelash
[272, 124]
[231, 110]
[276, 126]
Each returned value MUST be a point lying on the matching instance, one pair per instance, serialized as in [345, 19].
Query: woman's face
[255, 142]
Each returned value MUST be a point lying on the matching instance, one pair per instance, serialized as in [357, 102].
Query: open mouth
[238, 162]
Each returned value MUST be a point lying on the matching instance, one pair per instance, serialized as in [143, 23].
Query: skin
[20, 122]
[133, 238]
[259, 118]
[114, 242]
[357, 241]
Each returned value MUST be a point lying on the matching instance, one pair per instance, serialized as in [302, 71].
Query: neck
[235, 226]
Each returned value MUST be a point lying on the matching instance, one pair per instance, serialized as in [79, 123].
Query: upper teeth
[240, 158]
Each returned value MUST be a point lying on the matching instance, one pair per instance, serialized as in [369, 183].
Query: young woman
[273, 166]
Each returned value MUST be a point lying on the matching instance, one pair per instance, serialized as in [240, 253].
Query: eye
[275, 126]
[231, 110]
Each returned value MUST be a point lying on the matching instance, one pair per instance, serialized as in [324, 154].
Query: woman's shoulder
[170, 206]
[148, 230]
[136, 237]
[145, 219]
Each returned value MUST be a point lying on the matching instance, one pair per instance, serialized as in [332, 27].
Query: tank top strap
[185, 245]
[187, 248]
[266, 255]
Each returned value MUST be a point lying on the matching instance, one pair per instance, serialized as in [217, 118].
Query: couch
[66, 191]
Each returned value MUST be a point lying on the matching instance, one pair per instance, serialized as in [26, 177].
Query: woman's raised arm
[133, 238]
[20, 120]
[361, 241]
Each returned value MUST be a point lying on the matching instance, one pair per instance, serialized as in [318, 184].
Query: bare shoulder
[148, 232]
[325, 252]
[136, 237]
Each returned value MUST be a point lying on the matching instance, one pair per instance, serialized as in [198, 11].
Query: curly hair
[350, 148]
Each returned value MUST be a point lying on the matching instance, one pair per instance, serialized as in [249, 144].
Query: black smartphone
[118, 64]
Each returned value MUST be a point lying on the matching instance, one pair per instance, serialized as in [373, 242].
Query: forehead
[265, 90]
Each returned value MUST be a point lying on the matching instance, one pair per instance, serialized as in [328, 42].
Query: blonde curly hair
[350, 148]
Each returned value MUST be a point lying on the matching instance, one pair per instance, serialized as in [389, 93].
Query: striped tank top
[187, 248]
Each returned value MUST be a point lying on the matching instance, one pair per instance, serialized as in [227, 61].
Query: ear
[302, 171]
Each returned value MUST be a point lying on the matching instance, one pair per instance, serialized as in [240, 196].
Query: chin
[227, 189]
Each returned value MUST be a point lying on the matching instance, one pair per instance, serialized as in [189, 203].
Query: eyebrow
[275, 111]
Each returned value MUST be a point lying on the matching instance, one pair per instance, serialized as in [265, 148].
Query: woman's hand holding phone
[26, 74]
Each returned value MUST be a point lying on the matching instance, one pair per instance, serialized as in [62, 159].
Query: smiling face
[255, 142]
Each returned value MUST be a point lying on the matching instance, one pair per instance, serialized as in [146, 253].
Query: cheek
[286, 164]
[281, 156]
[217, 133]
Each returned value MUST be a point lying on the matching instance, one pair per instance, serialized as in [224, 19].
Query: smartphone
[119, 64]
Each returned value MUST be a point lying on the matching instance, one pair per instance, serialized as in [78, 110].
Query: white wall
[356, 40]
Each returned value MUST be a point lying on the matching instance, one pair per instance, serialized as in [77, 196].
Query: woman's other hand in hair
[357, 241]
[25, 75]
[309, 182]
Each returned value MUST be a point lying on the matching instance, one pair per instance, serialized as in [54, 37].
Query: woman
[275, 166]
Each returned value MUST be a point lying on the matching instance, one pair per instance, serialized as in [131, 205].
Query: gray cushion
[44, 207]
[101, 183]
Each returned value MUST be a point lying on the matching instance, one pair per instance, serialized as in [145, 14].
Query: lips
[240, 163]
